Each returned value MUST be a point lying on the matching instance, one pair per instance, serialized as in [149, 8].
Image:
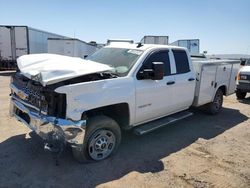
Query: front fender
[90, 95]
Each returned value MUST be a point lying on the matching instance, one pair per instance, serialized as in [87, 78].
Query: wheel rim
[218, 101]
[101, 144]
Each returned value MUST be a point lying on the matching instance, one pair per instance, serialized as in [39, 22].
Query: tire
[240, 94]
[102, 139]
[216, 106]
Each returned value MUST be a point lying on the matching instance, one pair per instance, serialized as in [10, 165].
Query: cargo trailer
[152, 39]
[16, 41]
[193, 45]
[71, 47]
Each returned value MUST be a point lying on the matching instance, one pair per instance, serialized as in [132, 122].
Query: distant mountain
[229, 56]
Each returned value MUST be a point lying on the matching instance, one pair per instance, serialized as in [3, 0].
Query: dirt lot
[201, 151]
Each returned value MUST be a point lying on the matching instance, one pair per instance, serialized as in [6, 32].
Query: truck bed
[211, 75]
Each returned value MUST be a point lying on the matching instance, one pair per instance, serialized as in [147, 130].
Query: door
[21, 41]
[5, 43]
[184, 81]
[154, 98]
[206, 84]
[232, 83]
[223, 74]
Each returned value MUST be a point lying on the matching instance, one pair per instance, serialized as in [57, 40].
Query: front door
[154, 98]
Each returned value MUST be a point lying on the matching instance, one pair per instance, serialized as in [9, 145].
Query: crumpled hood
[245, 70]
[51, 68]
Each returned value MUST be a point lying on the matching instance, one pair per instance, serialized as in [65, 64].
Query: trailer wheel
[240, 94]
[215, 106]
[102, 139]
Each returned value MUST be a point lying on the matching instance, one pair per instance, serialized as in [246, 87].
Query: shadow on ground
[245, 101]
[24, 162]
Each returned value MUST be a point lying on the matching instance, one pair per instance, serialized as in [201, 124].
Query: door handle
[171, 83]
[191, 79]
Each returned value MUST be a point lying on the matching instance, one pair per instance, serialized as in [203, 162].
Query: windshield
[121, 59]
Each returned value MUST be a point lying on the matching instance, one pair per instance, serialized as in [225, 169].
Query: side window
[161, 56]
[181, 60]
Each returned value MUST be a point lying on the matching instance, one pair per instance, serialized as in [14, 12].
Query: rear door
[184, 80]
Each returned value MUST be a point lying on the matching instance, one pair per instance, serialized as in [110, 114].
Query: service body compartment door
[223, 74]
[232, 83]
[21, 41]
[205, 85]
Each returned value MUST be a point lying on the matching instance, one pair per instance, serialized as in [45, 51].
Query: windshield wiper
[113, 74]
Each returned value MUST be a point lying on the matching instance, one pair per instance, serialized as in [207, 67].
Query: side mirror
[156, 73]
[243, 62]
[158, 68]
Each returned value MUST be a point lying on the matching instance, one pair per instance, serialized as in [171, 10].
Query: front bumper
[243, 86]
[49, 128]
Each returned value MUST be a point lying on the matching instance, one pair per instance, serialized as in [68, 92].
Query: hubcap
[218, 101]
[101, 144]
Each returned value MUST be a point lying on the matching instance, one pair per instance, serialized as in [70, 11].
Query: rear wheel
[215, 106]
[102, 138]
[240, 94]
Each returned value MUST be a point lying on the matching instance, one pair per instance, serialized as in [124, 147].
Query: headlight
[238, 76]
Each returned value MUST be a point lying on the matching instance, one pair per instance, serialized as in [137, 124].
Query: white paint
[147, 99]
[245, 70]
[51, 68]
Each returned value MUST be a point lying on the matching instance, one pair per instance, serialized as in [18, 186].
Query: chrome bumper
[48, 127]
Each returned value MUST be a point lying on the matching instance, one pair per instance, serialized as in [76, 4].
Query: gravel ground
[201, 151]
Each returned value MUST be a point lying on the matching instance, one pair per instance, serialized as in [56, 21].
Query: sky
[223, 26]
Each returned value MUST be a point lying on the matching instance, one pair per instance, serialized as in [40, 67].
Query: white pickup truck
[87, 103]
[243, 80]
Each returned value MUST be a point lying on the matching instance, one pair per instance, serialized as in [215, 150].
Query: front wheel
[102, 138]
[216, 105]
[240, 94]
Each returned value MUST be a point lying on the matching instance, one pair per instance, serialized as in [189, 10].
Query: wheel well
[224, 89]
[118, 112]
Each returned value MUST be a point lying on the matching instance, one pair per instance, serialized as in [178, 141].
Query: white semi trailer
[70, 47]
[153, 39]
[16, 41]
[193, 45]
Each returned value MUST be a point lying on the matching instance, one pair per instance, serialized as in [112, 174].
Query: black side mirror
[156, 73]
[243, 62]
[158, 68]
[85, 56]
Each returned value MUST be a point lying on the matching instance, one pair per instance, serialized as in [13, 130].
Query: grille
[33, 90]
[247, 77]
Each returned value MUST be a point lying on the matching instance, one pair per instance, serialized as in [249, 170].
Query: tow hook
[56, 147]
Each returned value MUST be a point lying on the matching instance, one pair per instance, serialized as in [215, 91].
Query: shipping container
[150, 39]
[16, 41]
[71, 47]
[193, 45]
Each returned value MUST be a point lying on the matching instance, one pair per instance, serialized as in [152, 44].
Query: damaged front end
[44, 111]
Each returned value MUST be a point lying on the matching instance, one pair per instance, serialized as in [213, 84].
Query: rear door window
[181, 61]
